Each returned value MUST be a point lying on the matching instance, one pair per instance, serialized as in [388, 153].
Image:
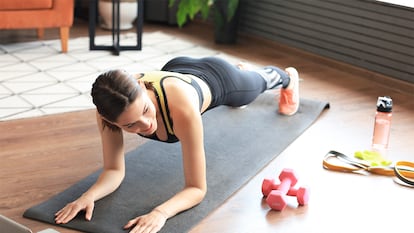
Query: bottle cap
[384, 104]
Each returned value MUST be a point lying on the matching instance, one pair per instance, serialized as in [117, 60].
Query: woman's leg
[229, 85]
[243, 86]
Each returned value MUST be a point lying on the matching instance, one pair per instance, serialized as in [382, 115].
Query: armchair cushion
[25, 4]
[55, 13]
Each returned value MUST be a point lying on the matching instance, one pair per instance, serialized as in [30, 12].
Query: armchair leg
[64, 37]
[40, 33]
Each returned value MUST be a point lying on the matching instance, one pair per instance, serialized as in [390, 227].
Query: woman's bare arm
[188, 127]
[108, 181]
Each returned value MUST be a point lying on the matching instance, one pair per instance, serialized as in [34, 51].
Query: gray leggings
[228, 84]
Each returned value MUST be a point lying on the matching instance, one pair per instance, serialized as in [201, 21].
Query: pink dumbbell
[276, 193]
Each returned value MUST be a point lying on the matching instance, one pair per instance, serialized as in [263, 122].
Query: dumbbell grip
[284, 185]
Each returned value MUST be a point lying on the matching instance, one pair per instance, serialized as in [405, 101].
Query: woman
[167, 106]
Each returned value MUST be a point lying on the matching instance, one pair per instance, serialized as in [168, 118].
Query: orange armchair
[39, 14]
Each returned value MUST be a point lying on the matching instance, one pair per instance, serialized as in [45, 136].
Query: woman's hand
[68, 212]
[149, 223]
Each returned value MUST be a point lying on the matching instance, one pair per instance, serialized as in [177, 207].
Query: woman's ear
[142, 84]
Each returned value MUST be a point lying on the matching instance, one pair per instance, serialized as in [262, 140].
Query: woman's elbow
[201, 194]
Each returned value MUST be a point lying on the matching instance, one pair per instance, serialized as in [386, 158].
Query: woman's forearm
[183, 200]
[108, 182]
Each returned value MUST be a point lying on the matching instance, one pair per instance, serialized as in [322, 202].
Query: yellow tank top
[156, 79]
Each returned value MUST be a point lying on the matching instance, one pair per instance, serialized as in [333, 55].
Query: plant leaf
[231, 9]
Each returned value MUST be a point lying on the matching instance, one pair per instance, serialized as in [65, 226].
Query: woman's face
[139, 117]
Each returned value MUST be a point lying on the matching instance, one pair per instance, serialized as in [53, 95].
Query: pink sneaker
[289, 96]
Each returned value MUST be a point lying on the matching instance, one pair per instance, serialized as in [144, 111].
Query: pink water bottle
[382, 125]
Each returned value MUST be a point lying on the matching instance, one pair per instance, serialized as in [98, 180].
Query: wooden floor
[42, 156]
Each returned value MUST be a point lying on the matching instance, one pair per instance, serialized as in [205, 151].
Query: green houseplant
[225, 16]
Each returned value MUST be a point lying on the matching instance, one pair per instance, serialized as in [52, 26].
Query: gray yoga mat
[238, 144]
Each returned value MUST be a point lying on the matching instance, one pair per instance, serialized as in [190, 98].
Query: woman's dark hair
[112, 92]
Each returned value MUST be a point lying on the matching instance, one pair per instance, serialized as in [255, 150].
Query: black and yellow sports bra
[156, 78]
